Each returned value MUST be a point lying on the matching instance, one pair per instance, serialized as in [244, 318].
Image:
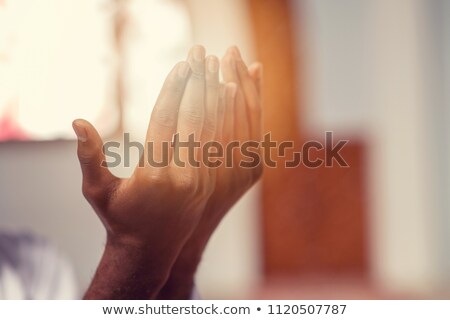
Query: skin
[159, 220]
[242, 121]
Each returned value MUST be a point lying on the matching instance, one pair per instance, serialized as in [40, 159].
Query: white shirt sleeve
[31, 268]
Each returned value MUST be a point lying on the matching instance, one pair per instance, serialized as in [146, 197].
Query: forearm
[127, 272]
[180, 284]
[177, 288]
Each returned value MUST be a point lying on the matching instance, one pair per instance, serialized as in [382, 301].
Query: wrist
[180, 284]
[158, 252]
[128, 271]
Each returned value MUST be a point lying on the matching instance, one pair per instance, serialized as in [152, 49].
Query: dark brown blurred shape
[314, 220]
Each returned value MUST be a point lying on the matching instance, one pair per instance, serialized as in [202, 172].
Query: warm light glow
[57, 64]
[59, 60]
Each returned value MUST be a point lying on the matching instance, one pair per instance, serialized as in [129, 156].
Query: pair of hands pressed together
[159, 221]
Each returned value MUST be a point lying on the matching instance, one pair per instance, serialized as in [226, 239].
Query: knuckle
[163, 117]
[89, 156]
[85, 159]
[185, 183]
[155, 178]
[192, 115]
[198, 74]
[92, 193]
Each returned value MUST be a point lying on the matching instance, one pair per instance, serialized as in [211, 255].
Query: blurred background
[374, 72]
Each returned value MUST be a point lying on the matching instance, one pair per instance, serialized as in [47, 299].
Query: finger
[251, 95]
[229, 112]
[221, 114]
[256, 73]
[220, 132]
[192, 112]
[230, 158]
[210, 124]
[97, 179]
[164, 118]
[212, 99]
[229, 71]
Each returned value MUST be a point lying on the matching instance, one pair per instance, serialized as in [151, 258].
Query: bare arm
[150, 216]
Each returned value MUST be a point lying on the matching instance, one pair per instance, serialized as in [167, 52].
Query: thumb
[97, 179]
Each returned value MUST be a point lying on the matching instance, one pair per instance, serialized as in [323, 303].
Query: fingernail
[80, 132]
[198, 53]
[213, 65]
[183, 69]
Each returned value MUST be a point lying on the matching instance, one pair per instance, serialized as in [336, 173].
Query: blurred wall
[379, 70]
[405, 220]
[40, 191]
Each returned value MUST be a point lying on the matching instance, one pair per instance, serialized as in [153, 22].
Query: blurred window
[102, 60]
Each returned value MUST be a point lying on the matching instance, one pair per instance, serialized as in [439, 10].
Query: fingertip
[83, 123]
[196, 59]
[256, 70]
[79, 126]
[86, 132]
[234, 50]
[229, 54]
[197, 52]
[78, 122]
